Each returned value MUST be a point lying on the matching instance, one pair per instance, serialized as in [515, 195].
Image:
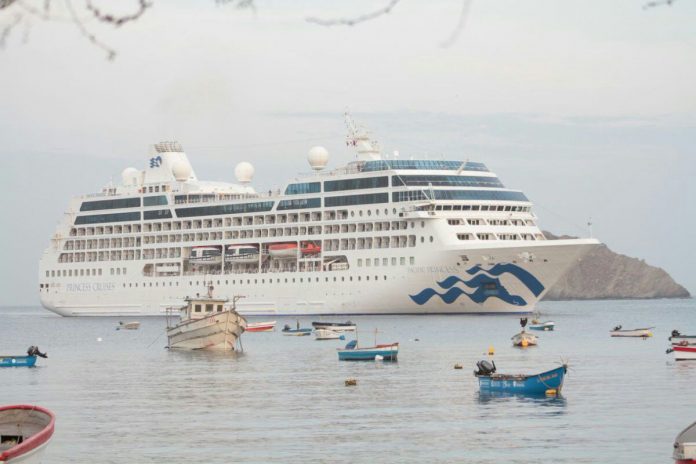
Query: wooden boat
[25, 432]
[28, 360]
[683, 352]
[261, 326]
[544, 326]
[685, 446]
[335, 326]
[351, 352]
[619, 332]
[328, 334]
[298, 332]
[206, 323]
[133, 325]
[678, 339]
[535, 384]
[283, 250]
[242, 254]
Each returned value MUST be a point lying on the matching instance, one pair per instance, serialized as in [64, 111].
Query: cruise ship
[380, 235]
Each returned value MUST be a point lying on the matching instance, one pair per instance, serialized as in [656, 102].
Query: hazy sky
[587, 106]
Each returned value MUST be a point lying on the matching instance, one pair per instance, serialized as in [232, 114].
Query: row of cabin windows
[492, 236]
[208, 308]
[84, 272]
[385, 261]
[294, 280]
[490, 222]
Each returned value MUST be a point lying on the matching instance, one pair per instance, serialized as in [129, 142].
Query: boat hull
[37, 426]
[17, 361]
[684, 353]
[387, 352]
[333, 326]
[537, 384]
[297, 332]
[639, 333]
[684, 340]
[219, 331]
[326, 334]
[261, 326]
[522, 337]
[545, 326]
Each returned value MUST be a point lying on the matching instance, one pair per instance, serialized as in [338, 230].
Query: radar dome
[181, 170]
[129, 176]
[244, 172]
[318, 157]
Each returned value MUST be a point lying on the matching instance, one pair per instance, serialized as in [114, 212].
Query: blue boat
[27, 360]
[351, 352]
[536, 384]
[298, 332]
[545, 326]
[17, 361]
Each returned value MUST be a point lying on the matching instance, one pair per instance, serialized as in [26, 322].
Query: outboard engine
[485, 367]
[676, 333]
[523, 322]
[618, 327]
[34, 351]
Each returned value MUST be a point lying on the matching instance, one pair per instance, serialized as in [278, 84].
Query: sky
[588, 107]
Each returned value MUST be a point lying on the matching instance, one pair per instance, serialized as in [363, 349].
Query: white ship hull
[440, 282]
[219, 331]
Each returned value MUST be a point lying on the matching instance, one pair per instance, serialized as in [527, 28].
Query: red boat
[260, 326]
[25, 431]
[310, 248]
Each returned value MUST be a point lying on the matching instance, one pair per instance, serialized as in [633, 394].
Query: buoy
[524, 343]
[351, 382]
[491, 350]
[551, 392]
[458, 366]
[379, 357]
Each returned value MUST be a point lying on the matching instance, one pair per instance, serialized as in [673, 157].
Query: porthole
[431, 239]
[369, 212]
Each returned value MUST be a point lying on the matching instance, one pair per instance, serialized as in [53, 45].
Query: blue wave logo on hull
[485, 284]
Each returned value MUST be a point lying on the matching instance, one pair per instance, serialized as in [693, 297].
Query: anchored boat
[544, 326]
[298, 332]
[261, 326]
[25, 432]
[685, 446]
[678, 339]
[335, 326]
[353, 352]
[620, 332]
[535, 384]
[328, 334]
[524, 339]
[133, 325]
[28, 360]
[206, 323]
[683, 352]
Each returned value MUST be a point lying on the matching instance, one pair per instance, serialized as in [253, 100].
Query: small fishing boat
[535, 384]
[28, 360]
[524, 339]
[25, 432]
[297, 332]
[685, 446]
[133, 325]
[678, 339]
[544, 326]
[683, 352]
[328, 334]
[351, 352]
[261, 326]
[335, 326]
[206, 323]
[620, 332]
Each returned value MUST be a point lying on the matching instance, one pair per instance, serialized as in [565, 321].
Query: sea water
[121, 396]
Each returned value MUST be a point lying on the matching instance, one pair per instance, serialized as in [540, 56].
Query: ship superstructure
[376, 236]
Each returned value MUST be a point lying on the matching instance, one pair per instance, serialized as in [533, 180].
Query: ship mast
[359, 139]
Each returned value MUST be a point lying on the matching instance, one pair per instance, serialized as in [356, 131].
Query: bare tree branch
[463, 16]
[353, 21]
[5, 31]
[658, 3]
[110, 52]
[118, 20]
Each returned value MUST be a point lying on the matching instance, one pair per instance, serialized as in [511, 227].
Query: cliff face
[604, 274]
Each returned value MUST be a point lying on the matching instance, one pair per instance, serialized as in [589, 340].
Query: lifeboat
[206, 255]
[283, 250]
[243, 254]
[310, 248]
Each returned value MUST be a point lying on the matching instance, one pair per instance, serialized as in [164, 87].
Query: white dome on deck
[181, 170]
[244, 172]
[317, 158]
[130, 176]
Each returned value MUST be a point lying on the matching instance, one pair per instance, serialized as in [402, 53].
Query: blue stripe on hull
[532, 385]
[17, 361]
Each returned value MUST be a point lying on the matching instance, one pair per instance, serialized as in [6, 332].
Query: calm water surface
[127, 399]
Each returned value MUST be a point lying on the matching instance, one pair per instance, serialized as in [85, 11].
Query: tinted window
[101, 218]
[300, 203]
[110, 204]
[224, 209]
[158, 214]
[307, 187]
[155, 200]
[355, 184]
[357, 199]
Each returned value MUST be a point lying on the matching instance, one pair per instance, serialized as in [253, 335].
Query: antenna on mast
[359, 139]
